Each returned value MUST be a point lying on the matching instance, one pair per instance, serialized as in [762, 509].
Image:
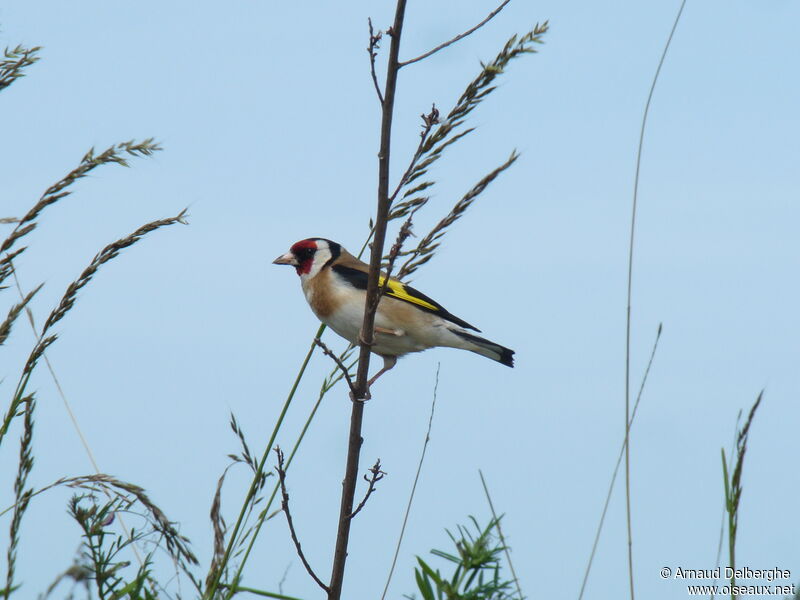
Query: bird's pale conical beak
[285, 259]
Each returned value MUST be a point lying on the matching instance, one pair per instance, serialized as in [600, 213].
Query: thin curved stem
[459, 37]
[413, 487]
[616, 467]
[630, 286]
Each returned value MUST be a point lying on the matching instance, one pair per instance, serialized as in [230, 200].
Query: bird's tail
[486, 348]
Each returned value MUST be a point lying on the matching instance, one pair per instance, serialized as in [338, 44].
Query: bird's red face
[300, 256]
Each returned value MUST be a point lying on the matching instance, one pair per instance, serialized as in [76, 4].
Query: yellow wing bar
[398, 290]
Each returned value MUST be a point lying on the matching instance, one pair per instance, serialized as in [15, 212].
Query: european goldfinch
[335, 283]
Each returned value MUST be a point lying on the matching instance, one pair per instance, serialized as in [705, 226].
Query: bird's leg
[388, 363]
[395, 332]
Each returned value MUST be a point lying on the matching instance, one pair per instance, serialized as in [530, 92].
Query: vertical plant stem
[731, 511]
[214, 583]
[616, 468]
[628, 314]
[381, 218]
[413, 487]
[506, 549]
[733, 487]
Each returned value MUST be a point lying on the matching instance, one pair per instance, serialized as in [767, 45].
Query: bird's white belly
[347, 319]
[347, 323]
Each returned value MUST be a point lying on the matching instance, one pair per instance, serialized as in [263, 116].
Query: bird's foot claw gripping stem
[367, 397]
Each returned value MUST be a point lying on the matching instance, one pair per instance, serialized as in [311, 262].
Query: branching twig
[428, 121]
[375, 477]
[402, 236]
[382, 213]
[366, 335]
[458, 37]
[342, 367]
[433, 142]
[285, 507]
[374, 45]
[251, 535]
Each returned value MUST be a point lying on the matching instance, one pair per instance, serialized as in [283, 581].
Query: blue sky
[270, 131]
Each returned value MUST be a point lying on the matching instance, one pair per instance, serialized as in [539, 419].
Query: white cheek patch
[321, 256]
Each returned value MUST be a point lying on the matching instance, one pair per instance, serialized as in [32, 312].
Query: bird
[335, 285]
